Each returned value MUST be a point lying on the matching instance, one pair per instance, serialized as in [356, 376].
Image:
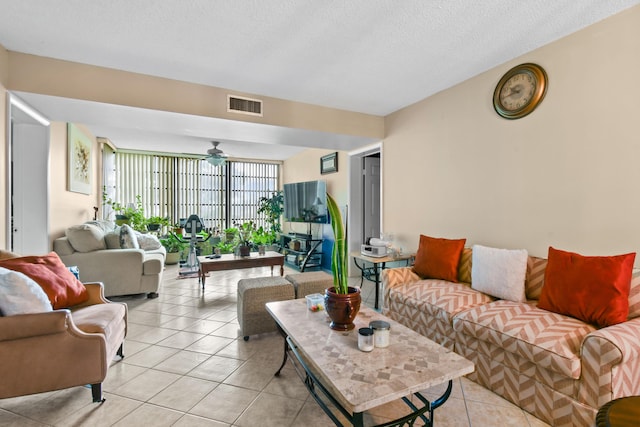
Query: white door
[371, 197]
[28, 179]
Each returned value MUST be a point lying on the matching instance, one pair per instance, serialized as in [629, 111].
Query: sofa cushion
[465, 265]
[594, 289]
[438, 258]
[439, 298]
[60, 285]
[100, 318]
[112, 239]
[19, 294]
[535, 277]
[634, 295]
[85, 237]
[499, 272]
[128, 239]
[547, 339]
[103, 224]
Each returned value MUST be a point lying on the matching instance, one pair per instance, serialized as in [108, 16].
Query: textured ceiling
[370, 56]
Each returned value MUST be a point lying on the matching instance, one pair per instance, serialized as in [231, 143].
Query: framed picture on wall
[79, 148]
[329, 163]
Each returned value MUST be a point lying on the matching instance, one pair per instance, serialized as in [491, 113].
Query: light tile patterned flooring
[185, 365]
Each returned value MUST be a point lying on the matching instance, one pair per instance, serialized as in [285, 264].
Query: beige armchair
[63, 348]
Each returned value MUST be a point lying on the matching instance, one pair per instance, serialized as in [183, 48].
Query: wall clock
[520, 91]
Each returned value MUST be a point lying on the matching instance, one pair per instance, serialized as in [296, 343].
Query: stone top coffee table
[355, 381]
[231, 262]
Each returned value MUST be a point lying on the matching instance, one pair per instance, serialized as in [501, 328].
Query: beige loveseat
[96, 248]
[556, 367]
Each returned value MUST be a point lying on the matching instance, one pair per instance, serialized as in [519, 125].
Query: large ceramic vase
[342, 308]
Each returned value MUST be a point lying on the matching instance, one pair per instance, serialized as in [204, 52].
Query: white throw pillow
[499, 272]
[128, 238]
[19, 294]
[148, 242]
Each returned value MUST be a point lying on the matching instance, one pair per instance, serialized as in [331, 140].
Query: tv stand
[301, 251]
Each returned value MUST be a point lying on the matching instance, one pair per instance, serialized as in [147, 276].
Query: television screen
[306, 202]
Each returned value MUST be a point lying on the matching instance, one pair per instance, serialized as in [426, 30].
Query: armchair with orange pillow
[55, 332]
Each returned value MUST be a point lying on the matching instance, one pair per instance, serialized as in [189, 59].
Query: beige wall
[67, 208]
[567, 175]
[48, 76]
[305, 166]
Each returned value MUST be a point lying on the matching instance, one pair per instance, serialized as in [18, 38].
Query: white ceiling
[370, 56]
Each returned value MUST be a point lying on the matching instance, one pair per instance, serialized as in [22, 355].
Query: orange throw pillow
[590, 288]
[438, 258]
[60, 285]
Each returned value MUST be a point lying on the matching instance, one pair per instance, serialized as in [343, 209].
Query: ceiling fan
[215, 156]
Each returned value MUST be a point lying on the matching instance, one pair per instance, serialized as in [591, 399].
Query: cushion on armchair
[60, 285]
[19, 294]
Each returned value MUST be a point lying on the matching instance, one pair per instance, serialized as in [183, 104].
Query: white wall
[567, 175]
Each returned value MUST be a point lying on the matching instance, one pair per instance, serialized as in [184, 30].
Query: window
[177, 187]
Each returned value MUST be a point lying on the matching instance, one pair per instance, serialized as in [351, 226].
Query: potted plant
[245, 232]
[154, 223]
[174, 247]
[272, 207]
[230, 234]
[342, 302]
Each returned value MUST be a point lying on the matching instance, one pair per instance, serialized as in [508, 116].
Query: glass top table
[357, 381]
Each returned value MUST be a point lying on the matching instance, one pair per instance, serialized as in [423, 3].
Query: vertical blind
[176, 187]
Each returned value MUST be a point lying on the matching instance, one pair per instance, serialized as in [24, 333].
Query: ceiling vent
[237, 104]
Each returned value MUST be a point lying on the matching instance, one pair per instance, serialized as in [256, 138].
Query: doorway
[27, 179]
[365, 196]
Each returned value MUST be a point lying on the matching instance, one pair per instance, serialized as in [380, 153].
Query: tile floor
[185, 365]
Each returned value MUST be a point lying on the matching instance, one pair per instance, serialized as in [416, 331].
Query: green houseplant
[272, 207]
[342, 301]
[174, 247]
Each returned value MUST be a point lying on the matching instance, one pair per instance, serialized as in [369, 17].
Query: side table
[379, 263]
[622, 412]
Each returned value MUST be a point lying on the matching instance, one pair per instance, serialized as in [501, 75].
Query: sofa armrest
[392, 277]
[96, 294]
[611, 363]
[33, 325]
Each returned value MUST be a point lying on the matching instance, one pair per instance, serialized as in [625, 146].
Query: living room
[564, 176]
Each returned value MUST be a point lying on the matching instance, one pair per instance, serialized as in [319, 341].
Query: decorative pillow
[75, 271]
[499, 272]
[148, 242]
[438, 258]
[19, 294]
[128, 238]
[594, 289]
[112, 239]
[60, 285]
[103, 224]
[85, 237]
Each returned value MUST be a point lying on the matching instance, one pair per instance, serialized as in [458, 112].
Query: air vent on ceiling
[237, 104]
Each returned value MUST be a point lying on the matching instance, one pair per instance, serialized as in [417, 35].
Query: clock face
[519, 91]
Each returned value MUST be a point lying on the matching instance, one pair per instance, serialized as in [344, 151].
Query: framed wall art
[79, 148]
[329, 163]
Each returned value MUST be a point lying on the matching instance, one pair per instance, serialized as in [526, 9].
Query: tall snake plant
[339, 253]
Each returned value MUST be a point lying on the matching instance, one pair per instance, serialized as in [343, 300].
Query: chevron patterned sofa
[556, 367]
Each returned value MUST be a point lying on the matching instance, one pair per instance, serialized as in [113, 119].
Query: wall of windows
[176, 187]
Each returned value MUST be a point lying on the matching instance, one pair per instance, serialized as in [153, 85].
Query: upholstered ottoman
[311, 282]
[253, 294]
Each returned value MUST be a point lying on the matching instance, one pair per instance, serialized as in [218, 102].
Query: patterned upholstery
[550, 340]
[558, 368]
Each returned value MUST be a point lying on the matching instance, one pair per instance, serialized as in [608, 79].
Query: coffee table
[232, 262]
[353, 381]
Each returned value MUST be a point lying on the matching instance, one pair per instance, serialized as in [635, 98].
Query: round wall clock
[520, 91]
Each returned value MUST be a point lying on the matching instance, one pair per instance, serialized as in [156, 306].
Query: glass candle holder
[365, 339]
[380, 332]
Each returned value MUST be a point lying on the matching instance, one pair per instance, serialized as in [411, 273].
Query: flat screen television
[306, 202]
